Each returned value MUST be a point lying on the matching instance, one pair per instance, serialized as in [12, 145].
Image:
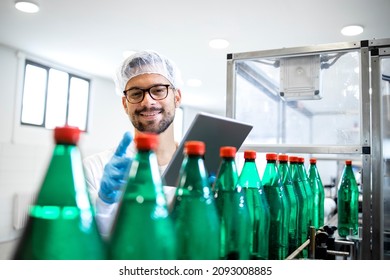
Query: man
[149, 82]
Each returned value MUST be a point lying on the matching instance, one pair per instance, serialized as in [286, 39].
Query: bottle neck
[144, 177]
[313, 171]
[284, 170]
[348, 179]
[227, 176]
[249, 177]
[302, 170]
[193, 176]
[271, 173]
[65, 163]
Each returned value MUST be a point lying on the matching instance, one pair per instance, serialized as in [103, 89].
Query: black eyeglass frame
[148, 91]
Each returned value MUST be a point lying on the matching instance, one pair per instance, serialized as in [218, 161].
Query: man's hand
[115, 172]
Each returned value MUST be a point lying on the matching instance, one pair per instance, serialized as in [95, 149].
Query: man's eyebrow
[153, 85]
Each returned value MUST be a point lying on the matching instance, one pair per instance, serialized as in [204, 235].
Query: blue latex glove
[211, 179]
[115, 172]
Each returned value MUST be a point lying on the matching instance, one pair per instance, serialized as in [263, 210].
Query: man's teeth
[148, 115]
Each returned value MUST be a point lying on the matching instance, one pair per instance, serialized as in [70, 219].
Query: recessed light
[27, 6]
[218, 43]
[352, 30]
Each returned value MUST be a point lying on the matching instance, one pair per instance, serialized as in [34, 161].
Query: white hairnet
[146, 62]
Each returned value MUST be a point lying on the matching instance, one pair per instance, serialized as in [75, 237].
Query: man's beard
[151, 126]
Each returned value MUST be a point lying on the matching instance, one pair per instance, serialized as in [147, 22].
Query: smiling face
[151, 115]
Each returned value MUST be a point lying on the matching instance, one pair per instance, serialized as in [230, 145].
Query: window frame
[71, 75]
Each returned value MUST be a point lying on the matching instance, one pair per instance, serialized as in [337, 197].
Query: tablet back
[215, 131]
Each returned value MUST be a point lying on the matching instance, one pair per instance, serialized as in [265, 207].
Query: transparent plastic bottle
[143, 229]
[61, 223]
[303, 230]
[318, 194]
[279, 209]
[347, 202]
[284, 170]
[194, 211]
[249, 180]
[232, 209]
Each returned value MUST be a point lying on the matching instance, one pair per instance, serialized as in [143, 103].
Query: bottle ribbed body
[61, 223]
[249, 180]
[143, 229]
[309, 193]
[293, 237]
[302, 202]
[279, 210]
[194, 211]
[232, 209]
[318, 194]
[347, 202]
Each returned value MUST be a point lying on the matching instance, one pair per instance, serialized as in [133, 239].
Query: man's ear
[124, 103]
[177, 98]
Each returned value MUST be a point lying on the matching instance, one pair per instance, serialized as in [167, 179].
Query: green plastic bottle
[143, 229]
[318, 194]
[194, 211]
[309, 193]
[61, 223]
[232, 209]
[279, 209]
[347, 202]
[284, 170]
[302, 202]
[249, 180]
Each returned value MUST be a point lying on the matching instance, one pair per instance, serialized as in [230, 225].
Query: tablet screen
[216, 131]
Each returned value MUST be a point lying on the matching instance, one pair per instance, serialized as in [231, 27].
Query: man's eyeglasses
[157, 92]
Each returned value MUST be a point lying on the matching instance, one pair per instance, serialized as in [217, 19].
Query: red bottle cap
[348, 162]
[195, 148]
[283, 158]
[301, 159]
[227, 151]
[271, 156]
[293, 159]
[146, 141]
[67, 135]
[313, 160]
[249, 154]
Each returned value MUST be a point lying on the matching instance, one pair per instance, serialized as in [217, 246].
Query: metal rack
[245, 73]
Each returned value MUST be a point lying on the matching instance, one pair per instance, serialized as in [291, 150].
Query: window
[52, 97]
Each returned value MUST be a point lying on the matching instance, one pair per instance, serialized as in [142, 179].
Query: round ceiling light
[27, 6]
[352, 30]
[219, 44]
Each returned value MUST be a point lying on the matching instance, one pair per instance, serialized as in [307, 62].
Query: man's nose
[148, 99]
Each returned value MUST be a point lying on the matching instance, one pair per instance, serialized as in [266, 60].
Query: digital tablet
[215, 131]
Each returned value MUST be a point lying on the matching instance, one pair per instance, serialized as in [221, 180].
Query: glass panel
[322, 106]
[34, 91]
[385, 89]
[254, 106]
[78, 103]
[57, 96]
[297, 127]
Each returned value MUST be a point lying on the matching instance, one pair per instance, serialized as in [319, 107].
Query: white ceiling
[90, 35]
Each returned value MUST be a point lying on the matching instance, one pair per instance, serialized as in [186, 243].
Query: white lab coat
[93, 169]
